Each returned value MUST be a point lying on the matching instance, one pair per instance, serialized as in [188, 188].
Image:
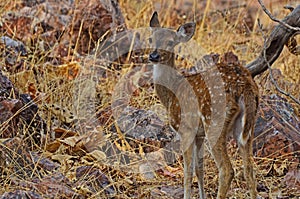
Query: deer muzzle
[154, 56]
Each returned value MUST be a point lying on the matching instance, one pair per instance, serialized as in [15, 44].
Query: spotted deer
[240, 100]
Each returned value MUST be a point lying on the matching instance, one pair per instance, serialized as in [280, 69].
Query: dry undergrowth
[217, 32]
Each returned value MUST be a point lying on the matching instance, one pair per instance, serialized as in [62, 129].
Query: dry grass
[215, 33]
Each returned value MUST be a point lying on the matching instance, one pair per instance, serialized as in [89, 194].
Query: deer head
[164, 40]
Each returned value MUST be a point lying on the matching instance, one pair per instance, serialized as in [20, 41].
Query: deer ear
[186, 31]
[154, 22]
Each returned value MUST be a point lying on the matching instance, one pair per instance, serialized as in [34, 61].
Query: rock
[277, 129]
[18, 114]
[144, 128]
[59, 25]
[21, 194]
[94, 180]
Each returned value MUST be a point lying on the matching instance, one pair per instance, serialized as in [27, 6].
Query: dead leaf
[53, 146]
[64, 133]
[71, 141]
[97, 155]
[62, 158]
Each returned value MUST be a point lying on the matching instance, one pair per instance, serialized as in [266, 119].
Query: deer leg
[247, 154]
[244, 137]
[226, 173]
[199, 164]
[188, 170]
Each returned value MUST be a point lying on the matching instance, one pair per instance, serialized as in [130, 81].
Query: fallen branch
[275, 43]
[270, 70]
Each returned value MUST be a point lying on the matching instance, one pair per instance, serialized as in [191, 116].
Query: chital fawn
[240, 102]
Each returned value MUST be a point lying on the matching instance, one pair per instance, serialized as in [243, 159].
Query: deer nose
[154, 56]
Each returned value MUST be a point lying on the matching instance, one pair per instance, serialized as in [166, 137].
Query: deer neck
[162, 70]
[166, 79]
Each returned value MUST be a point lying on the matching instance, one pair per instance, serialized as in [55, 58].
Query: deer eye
[150, 40]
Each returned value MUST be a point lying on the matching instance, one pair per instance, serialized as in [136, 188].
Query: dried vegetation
[66, 142]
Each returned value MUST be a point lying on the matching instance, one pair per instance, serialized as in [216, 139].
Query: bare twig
[280, 90]
[275, 43]
[274, 18]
